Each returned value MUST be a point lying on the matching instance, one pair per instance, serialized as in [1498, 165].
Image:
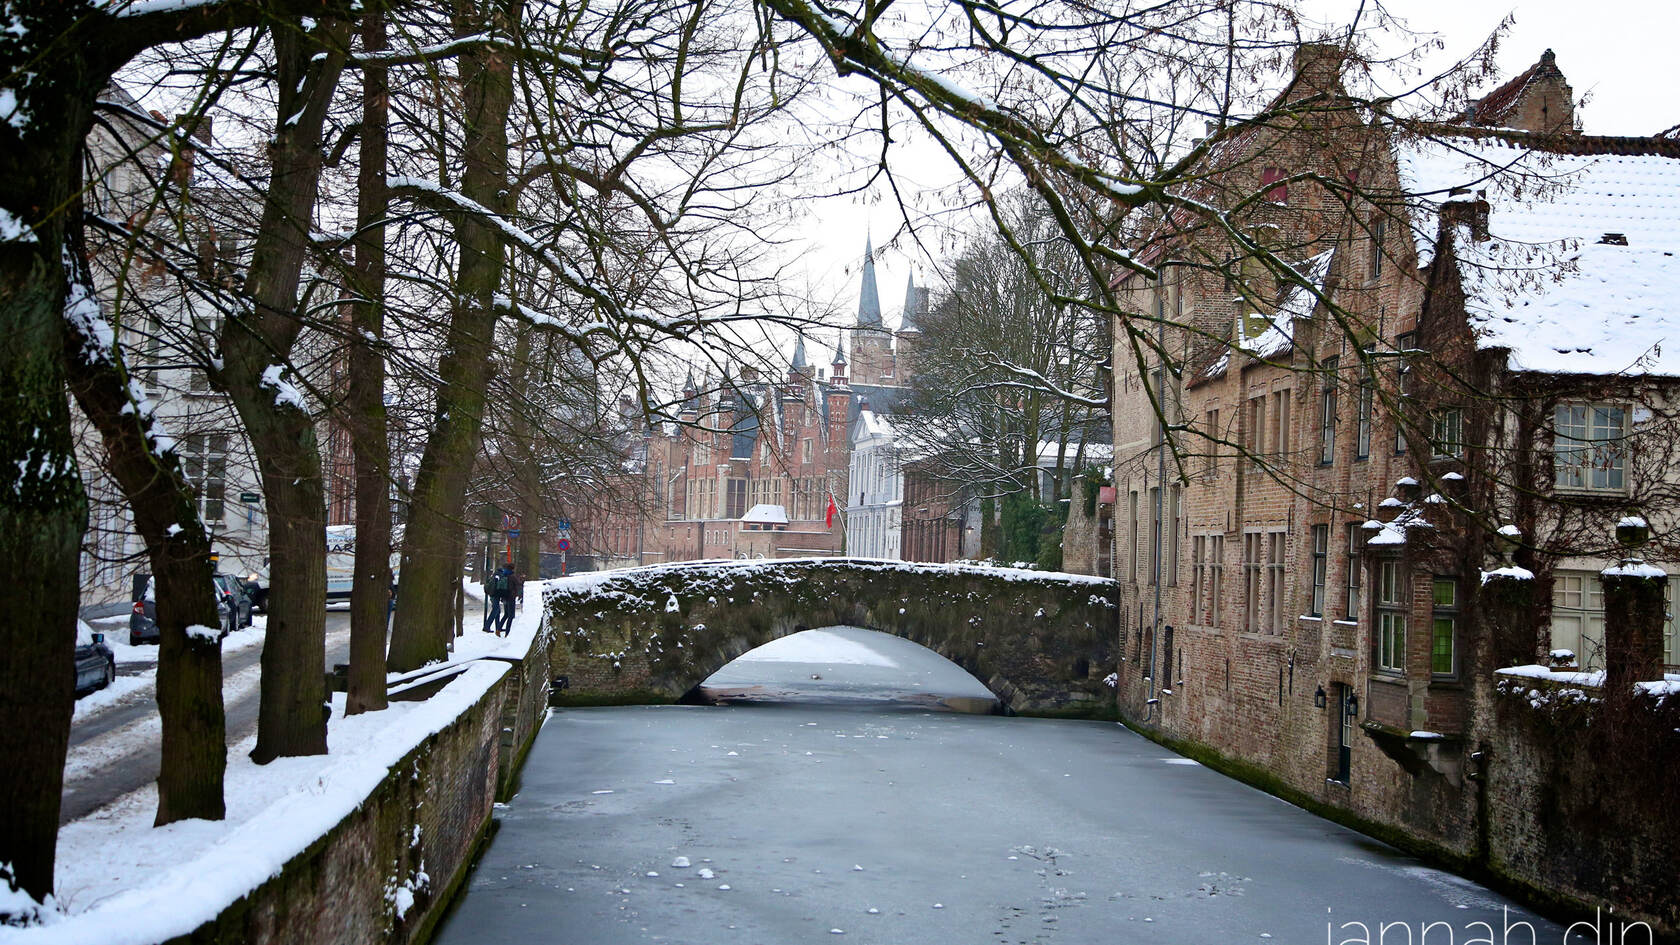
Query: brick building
[1470, 364]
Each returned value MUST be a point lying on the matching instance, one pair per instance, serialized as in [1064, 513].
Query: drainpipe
[1160, 500]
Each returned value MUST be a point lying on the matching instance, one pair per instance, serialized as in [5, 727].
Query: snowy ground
[120, 880]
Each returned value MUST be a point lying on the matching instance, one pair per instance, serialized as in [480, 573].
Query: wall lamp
[1319, 698]
[1353, 705]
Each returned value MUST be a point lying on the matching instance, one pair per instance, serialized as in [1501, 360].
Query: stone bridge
[1042, 642]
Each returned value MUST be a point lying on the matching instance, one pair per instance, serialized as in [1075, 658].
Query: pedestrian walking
[499, 591]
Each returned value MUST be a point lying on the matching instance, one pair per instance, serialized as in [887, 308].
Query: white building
[169, 338]
[876, 495]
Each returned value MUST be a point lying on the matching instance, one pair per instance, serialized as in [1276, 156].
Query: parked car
[96, 665]
[232, 590]
[233, 608]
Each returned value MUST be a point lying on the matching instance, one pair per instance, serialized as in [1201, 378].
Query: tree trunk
[43, 507]
[527, 470]
[429, 565]
[189, 679]
[365, 405]
[292, 715]
[43, 512]
[64, 56]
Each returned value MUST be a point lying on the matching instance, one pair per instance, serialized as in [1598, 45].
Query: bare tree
[55, 67]
[1003, 371]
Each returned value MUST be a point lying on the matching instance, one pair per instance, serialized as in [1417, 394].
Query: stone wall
[386, 873]
[1582, 803]
[1042, 642]
[528, 688]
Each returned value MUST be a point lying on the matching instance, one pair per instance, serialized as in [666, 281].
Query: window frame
[1407, 341]
[1320, 569]
[204, 464]
[1277, 543]
[1389, 638]
[1327, 415]
[1353, 580]
[1216, 579]
[1443, 615]
[1254, 547]
[1364, 426]
[1448, 444]
[1590, 448]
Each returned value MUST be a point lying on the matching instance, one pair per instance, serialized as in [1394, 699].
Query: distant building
[750, 466]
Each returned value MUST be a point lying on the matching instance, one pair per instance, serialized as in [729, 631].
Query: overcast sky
[1618, 53]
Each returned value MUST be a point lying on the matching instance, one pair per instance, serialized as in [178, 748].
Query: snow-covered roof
[1297, 302]
[766, 514]
[874, 424]
[1544, 285]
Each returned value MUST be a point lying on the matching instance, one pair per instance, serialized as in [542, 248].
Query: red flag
[829, 520]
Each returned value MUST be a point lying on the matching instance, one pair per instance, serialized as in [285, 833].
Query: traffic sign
[564, 544]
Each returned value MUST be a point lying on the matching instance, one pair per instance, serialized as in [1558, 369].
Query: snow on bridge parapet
[1042, 641]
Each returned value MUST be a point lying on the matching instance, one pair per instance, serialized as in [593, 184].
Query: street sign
[565, 524]
[250, 498]
[564, 544]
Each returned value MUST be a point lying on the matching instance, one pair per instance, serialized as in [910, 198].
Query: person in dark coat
[499, 591]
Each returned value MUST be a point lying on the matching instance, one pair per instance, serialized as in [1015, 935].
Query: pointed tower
[869, 298]
[690, 398]
[801, 366]
[838, 376]
[872, 358]
[909, 329]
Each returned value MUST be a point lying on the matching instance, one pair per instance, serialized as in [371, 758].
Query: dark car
[233, 591]
[96, 665]
[233, 608]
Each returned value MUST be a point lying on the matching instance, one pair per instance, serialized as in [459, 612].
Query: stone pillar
[1506, 606]
[1633, 613]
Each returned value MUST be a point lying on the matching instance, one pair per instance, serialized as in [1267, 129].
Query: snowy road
[798, 822]
[114, 746]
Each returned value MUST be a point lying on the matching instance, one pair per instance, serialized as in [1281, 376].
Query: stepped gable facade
[1471, 372]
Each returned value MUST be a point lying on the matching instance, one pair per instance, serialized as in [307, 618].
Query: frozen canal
[864, 820]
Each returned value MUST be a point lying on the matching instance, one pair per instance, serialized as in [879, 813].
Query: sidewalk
[121, 881]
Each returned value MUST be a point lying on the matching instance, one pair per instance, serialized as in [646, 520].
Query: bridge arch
[1042, 642]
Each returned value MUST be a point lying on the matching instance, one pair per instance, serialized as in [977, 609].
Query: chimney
[1318, 68]
[1471, 214]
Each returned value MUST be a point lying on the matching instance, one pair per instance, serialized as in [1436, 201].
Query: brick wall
[425, 819]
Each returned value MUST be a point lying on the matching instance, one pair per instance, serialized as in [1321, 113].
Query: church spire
[869, 299]
[912, 306]
[799, 361]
